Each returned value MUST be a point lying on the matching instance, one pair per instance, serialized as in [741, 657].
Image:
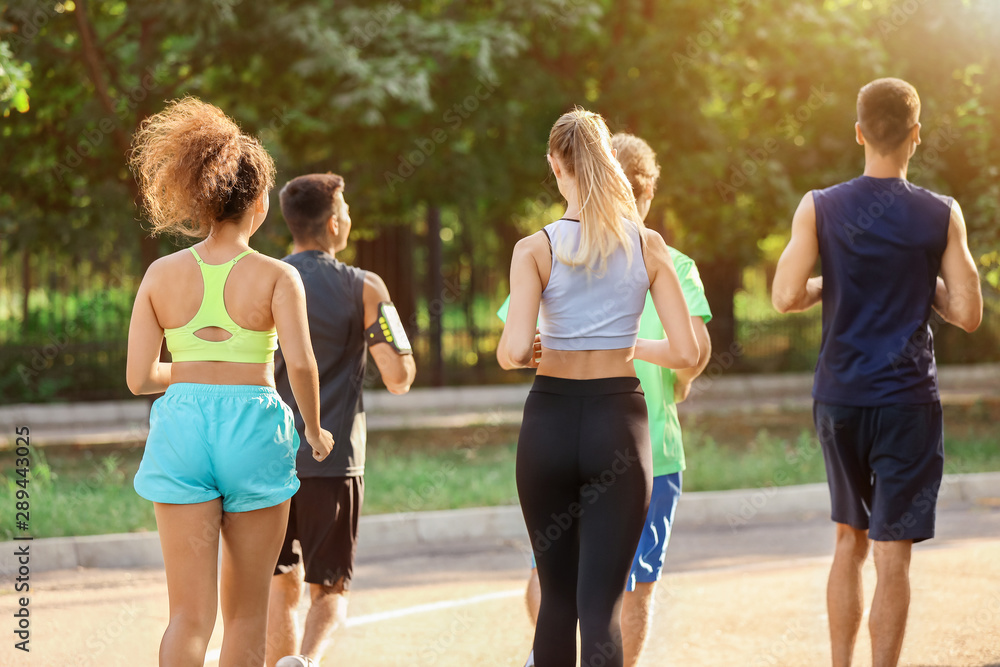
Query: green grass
[88, 492]
[413, 481]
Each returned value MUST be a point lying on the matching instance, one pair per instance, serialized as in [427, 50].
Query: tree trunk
[26, 287]
[722, 278]
[435, 294]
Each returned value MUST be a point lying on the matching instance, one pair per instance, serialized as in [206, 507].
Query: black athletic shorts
[884, 466]
[323, 517]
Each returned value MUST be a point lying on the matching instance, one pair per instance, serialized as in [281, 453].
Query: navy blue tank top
[881, 242]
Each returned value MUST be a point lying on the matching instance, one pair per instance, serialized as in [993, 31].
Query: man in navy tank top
[890, 252]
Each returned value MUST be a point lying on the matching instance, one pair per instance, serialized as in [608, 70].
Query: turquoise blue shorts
[207, 441]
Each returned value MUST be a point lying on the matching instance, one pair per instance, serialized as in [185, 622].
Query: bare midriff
[222, 372]
[587, 364]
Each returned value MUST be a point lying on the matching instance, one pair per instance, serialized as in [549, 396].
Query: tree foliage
[445, 105]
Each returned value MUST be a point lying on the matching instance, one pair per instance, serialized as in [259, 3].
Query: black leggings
[584, 474]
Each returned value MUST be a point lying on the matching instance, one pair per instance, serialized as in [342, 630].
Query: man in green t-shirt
[664, 388]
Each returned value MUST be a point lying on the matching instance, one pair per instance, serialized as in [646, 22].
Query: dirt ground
[752, 596]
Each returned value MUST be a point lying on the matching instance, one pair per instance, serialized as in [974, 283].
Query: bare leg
[327, 614]
[251, 542]
[282, 633]
[637, 610]
[533, 595]
[189, 537]
[844, 594]
[891, 604]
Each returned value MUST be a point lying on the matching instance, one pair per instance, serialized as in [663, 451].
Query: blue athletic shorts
[206, 441]
[652, 550]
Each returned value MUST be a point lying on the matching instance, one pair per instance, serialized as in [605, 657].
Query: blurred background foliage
[437, 113]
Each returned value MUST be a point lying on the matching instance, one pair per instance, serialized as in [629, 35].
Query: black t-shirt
[335, 304]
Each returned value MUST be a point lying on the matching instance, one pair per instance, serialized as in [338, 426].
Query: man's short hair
[887, 111]
[307, 203]
[638, 162]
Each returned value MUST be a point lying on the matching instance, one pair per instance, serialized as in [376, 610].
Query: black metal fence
[64, 324]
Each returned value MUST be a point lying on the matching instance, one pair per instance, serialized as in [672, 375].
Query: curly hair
[196, 169]
[638, 162]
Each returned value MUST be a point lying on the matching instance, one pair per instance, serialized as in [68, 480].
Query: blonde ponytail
[582, 142]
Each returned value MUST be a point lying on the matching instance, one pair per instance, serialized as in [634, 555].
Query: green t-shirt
[658, 382]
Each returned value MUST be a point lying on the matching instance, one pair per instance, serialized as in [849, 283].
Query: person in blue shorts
[891, 252]
[219, 462]
[663, 389]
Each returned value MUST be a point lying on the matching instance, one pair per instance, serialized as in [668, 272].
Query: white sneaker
[295, 661]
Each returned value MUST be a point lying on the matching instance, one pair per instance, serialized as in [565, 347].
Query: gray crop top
[582, 311]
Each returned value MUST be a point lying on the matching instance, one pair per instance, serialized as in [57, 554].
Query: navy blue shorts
[884, 466]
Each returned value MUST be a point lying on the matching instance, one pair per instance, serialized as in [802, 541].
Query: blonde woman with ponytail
[584, 468]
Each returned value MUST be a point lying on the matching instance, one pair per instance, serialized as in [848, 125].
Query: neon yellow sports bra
[243, 346]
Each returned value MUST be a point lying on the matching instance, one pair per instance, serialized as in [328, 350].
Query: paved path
[749, 596]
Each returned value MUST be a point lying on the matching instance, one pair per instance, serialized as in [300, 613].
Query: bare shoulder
[957, 217]
[805, 212]
[163, 269]
[535, 246]
[282, 274]
[375, 289]
[656, 251]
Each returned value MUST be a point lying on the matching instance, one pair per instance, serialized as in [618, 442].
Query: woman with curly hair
[220, 456]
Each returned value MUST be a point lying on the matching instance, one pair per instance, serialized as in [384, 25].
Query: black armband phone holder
[388, 328]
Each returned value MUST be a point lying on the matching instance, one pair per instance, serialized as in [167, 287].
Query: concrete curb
[382, 533]
[439, 407]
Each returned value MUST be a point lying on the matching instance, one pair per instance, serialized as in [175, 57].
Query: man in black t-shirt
[350, 312]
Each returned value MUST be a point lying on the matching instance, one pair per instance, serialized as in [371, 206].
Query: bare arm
[517, 343]
[793, 290]
[144, 372]
[685, 376]
[679, 349]
[288, 306]
[398, 370]
[959, 297]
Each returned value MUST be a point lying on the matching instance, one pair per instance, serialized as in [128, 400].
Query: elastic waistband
[547, 384]
[230, 390]
[574, 343]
